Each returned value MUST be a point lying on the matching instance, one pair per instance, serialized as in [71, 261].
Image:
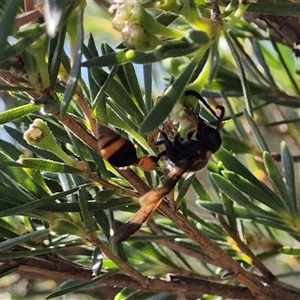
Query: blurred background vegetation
[66, 65]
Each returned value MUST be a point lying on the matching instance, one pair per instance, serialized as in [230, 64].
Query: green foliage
[61, 201]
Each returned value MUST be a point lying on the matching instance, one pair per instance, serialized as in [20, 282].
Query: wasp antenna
[221, 117]
[204, 102]
[222, 109]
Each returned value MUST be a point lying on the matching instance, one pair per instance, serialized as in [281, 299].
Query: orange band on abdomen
[111, 149]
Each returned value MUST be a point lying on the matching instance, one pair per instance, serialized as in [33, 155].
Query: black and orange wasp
[188, 154]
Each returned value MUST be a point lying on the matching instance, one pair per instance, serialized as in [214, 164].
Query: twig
[78, 131]
[142, 280]
[176, 247]
[172, 284]
[27, 17]
[86, 110]
[124, 192]
[215, 252]
[255, 261]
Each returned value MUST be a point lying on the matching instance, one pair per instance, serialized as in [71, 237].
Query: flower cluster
[129, 19]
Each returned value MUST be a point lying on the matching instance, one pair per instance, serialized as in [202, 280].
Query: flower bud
[122, 15]
[40, 136]
[135, 36]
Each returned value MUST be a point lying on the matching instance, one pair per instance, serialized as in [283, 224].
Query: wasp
[120, 151]
[188, 154]
[195, 151]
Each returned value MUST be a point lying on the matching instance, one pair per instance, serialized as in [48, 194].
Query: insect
[186, 155]
[119, 151]
[198, 150]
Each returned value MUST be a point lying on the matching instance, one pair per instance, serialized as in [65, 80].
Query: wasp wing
[149, 202]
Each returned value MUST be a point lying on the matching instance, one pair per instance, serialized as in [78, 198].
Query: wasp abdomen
[115, 148]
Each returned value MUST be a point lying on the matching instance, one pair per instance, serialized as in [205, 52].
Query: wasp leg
[166, 141]
[177, 141]
[161, 154]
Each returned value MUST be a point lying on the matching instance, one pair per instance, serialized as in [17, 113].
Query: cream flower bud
[40, 136]
[126, 14]
[136, 36]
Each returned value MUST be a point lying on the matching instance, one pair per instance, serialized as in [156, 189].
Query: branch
[172, 284]
[256, 262]
[255, 284]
